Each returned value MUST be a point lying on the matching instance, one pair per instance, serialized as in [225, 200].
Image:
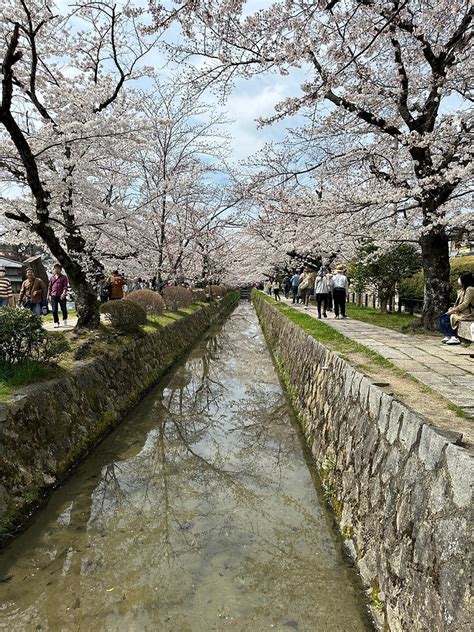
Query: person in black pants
[322, 287]
[57, 290]
[340, 286]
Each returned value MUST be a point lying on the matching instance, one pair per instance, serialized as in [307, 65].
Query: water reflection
[198, 513]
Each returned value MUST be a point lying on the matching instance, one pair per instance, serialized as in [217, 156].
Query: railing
[398, 304]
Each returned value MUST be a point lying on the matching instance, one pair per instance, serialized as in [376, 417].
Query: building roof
[5, 262]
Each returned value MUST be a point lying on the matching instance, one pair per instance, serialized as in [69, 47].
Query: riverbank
[47, 427]
[399, 486]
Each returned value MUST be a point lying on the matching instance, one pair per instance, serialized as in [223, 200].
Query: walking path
[447, 370]
[71, 323]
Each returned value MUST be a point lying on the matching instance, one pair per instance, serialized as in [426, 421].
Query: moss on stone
[376, 601]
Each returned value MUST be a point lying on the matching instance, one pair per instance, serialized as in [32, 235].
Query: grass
[27, 372]
[327, 335]
[390, 320]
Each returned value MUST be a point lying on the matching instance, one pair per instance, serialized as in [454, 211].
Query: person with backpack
[305, 286]
[116, 284]
[32, 292]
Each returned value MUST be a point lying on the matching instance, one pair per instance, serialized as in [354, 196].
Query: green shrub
[177, 297]
[124, 315]
[412, 287]
[23, 338]
[152, 302]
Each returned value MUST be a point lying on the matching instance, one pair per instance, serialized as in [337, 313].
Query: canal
[200, 512]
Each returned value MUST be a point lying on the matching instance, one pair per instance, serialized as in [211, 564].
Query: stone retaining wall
[50, 425]
[400, 488]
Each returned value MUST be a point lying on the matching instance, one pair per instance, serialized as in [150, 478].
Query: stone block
[396, 415]
[390, 465]
[384, 412]
[355, 385]
[368, 566]
[410, 430]
[348, 377]
[375, 396]
[364, 387]
[460, 470]
[431, 447]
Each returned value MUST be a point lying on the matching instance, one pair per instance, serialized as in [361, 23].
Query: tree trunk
[435, 252]
[88, 315]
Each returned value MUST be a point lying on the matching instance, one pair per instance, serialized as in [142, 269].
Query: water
[199, 513]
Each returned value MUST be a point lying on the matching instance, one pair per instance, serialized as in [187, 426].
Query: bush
[152, 302]
[199, 294]
[177, 297]
[412, 287]
[216, 291]
[23, 338]
[124, 315]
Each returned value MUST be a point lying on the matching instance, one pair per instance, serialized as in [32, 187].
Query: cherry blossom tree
[66, 115]
[387, 98]
[183, 189]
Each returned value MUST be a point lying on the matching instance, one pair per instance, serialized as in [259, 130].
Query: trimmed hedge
[124, 315]
[176, 297]
[152, 302]
[199, 294]
[217, 290]
[413, 286]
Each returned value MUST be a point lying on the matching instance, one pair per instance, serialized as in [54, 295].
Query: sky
[250, 99]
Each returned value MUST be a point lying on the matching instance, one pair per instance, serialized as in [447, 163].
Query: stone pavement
[447, 370]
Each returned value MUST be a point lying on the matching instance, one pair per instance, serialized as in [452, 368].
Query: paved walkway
[447, 370]
[71, 323]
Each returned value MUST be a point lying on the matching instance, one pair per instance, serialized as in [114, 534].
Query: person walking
[32, 292]
[6, 291]
[116, 284]
[286, 285]
[276, 289]
[57, 291]
[463, 310]
[134, 285]
[340, 288]
[306, 282]
[295, 281]
[322, 287]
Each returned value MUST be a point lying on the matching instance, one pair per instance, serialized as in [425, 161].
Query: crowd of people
[36, 296]
[329, 289]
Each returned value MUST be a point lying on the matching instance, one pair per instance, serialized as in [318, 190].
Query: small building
[14, 272]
